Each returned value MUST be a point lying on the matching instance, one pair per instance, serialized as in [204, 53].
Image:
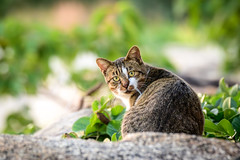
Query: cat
[156, 99]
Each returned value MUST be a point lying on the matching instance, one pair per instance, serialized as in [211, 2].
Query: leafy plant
[20, 122]
[26, 50]
[222, 112]
[104, 123]
[219, 19]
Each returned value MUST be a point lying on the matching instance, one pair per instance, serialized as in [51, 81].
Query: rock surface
[134, 146]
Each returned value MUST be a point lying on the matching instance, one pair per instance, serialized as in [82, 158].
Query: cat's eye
[116, 78]
[131, 73]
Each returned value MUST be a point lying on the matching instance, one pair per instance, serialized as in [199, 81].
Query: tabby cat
[156, 99]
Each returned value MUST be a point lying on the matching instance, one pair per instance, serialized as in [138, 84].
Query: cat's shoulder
[165, 79]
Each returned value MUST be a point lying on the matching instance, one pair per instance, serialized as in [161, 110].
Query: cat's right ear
[103, 64]
[134, 54]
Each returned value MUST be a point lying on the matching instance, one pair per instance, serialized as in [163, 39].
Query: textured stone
[134, 146]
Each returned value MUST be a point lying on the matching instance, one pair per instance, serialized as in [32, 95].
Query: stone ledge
[135, 146]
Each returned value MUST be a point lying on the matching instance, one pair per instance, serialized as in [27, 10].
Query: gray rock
[134, 146]
[64, 125]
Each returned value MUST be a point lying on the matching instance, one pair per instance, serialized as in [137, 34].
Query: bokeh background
[48, 50]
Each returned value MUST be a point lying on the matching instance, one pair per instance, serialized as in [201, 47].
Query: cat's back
[167, 105]
[166, 89]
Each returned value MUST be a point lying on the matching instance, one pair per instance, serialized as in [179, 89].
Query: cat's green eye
[116, 78]
[131, 73]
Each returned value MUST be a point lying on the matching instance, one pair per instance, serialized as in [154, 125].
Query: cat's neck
[156, 73]
[153, 74]
[129, 100]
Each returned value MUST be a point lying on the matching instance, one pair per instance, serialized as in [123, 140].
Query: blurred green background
[35, 34]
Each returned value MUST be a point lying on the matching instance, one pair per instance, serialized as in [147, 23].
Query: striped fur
[157, 99]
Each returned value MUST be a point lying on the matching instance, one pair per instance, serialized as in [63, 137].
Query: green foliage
[86, 78]
[20, 123]
[26, 49]
[25, 54]
[222, 112]
[115, 29]
[104, 123]
[220, 19]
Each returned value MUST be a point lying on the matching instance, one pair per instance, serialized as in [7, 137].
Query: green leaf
[202, 100]
[113, 127]
[94, 119]
[70, 135]
[95, 105]
[209, 106]
[103, 106]
[90, 129]
[103, 100]
[102, 128]
[119, 116]
[214, 111]
[209, 126]
[229, 113]
[219, 117]
[81, 124]
[215, 100]
[120, 138]
[116, 110]
[236, 123]
[222, 85]
[229, 103]
[226, 103]
[226, 126]
[218, 102]
[114, 137]
[234, 103]
[73, 135]
[234, 90]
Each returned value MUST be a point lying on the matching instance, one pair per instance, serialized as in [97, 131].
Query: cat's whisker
[140, 94]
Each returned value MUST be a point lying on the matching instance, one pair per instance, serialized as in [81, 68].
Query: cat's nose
[125, 83]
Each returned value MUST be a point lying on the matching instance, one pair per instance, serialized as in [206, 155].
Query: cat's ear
[103, 64]
[134, 54]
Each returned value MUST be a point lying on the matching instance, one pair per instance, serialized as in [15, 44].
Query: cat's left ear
[103, 64]
[134, 54]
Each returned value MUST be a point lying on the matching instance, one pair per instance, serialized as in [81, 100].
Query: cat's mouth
[128, 91]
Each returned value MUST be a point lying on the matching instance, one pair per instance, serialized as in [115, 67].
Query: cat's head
[124, 76]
